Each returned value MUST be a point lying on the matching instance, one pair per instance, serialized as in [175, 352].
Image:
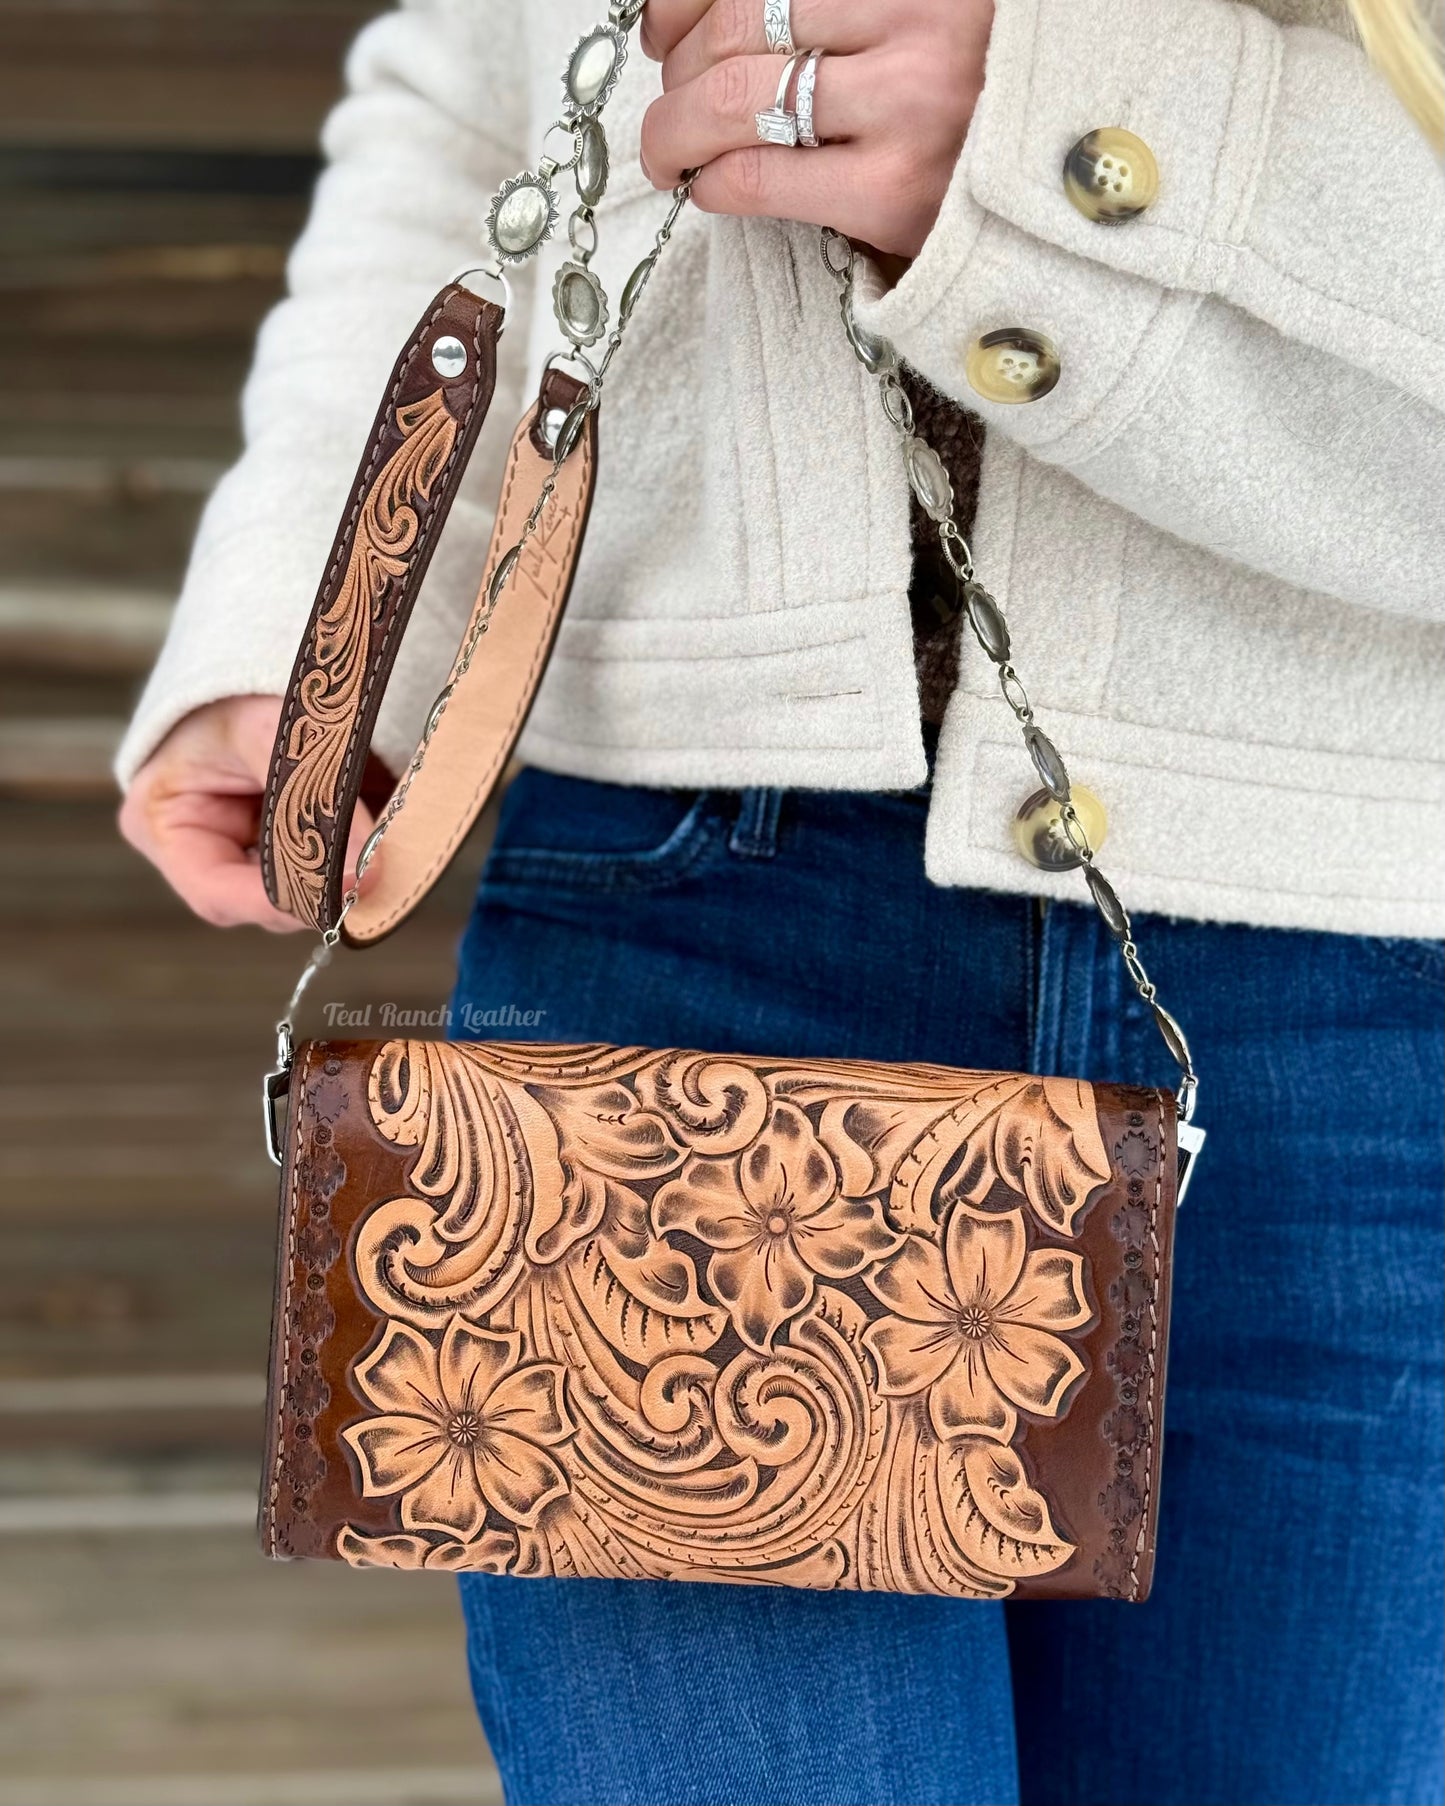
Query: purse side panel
[1102, 1456]
[335, 1169]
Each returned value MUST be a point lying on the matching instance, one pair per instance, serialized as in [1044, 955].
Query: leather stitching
[485, 781]
[461, 450]
[293, 1208]
[883, 1506]
[1151, 1388]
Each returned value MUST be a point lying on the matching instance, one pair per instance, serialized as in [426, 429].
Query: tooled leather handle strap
[349, 649]
[423, 434]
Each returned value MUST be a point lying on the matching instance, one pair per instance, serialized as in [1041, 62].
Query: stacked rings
[780, 124]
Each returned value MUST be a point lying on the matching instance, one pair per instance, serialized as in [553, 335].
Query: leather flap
[612, 1311]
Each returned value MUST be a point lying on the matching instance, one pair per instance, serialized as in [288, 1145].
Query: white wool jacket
[1219, 539]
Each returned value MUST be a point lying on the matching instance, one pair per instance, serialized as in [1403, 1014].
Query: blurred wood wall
[155, 162]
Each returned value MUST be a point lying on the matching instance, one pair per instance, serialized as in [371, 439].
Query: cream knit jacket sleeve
[1256, 365]
[1295, 258]
[434, 117]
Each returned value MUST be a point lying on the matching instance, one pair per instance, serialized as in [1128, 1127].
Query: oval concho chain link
[580, 122]
[990, 628]
[515, 240]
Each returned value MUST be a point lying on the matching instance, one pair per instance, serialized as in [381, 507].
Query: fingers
[219, 879]
[666, 22]
[717, 112]
[731, 28]
[194, 809]
[203, 845]
[882, 199]
[818, 187]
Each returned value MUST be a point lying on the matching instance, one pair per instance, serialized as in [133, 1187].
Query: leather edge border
[1164, 1225]
[283, 1285]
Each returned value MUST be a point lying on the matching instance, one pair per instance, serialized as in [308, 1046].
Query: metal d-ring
[555, 359]
[459, 280]
[574, 133]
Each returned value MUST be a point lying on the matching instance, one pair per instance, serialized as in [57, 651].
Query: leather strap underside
[490, 701]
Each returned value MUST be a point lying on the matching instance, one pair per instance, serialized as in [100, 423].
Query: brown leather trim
[419, 445]
[297, 1389]
[559, 392]
[1106, 1455]
[564, 1222]
[490, 701]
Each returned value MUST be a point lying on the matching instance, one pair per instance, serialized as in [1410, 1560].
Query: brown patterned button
[1110, 175]
[1013, 364]
[1039, 834]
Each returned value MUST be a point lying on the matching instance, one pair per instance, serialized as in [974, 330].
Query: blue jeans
[1292, 1647]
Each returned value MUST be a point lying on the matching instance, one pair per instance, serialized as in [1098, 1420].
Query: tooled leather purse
[662, 1313]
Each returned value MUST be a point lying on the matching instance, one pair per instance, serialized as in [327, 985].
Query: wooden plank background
[155, 162]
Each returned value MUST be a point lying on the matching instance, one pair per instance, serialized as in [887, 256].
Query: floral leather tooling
[607, 1311]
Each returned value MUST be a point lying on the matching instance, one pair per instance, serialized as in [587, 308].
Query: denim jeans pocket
[574, 834]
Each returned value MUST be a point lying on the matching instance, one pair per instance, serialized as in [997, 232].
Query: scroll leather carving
[489, 703]
[662, 1314]
[420, 441]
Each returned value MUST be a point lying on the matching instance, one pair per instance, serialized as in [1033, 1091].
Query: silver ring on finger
[803, 102]
[778, 27]
[776, 125]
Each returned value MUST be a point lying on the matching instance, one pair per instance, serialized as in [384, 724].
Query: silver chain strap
[568, 432]
[522, 217]
[928, 477]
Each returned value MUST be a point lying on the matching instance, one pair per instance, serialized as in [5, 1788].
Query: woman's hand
[894, 97]
[194, 810]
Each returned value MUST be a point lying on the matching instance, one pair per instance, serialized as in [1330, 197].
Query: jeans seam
[694, 837]
[755, 833]
[1044, 1037]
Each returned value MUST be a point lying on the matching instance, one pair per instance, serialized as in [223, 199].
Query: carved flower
[777, 1221]
[975, 1322]
[463, 1427]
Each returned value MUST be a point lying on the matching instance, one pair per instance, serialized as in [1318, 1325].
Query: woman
[1211, 413]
